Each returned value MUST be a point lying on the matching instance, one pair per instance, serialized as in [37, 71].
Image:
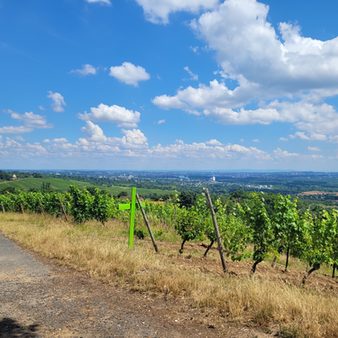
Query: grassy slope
[61, 184]
[271, 299]
[57, 184]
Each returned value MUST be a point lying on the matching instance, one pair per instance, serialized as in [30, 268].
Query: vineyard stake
[63, 210]
[132, 218]
[147, 223]
[132, 207]
[3, 208]
[214, 220]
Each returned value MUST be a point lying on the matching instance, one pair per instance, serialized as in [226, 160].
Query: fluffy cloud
[133, 145]
[31, 120]
[209, 149]
[10, 148]
[315, 121]
[121, 116]
[134, 137]
[58, 101]
[279, 76]
[129, 74]
[94, 131]
[214, 95]
[15, 130]
[158, 11]
[85, 70]
[100, 2]
[247, 45]
[305, 136]
[282, 154]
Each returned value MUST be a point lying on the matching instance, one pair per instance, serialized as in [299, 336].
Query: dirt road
[41, 299]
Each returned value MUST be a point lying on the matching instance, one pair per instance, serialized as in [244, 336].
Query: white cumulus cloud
[282, 154]
[133, 144]
[247, 45]
[121, 116]
[100, 2]
[58, 101]
[94, 131]
[85, 70]
[276, 76]
[214, 95]
[15, 129]
[209, 149]
[134, 137]
[129, 73]
[158, 11]
[31, 120]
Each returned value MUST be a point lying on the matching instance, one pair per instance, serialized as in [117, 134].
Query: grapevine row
[268, 227]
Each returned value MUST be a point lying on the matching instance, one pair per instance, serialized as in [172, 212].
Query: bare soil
[317, 282]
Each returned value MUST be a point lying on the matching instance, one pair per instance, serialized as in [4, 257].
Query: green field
[62, 185]
[56, 184]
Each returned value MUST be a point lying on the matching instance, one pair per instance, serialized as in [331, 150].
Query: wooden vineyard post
[147, 223]
[63, 210]
[214, 220]
[3, 208]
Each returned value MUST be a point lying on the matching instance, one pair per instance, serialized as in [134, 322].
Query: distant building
[14, 177]
[213, 179]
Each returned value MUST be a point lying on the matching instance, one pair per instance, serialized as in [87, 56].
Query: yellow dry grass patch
[295, 311]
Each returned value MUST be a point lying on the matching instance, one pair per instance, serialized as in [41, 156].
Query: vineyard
[252, 227]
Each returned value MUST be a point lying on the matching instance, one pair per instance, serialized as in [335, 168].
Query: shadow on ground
[10, 328]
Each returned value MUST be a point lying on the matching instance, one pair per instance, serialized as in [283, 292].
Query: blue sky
[166, 84]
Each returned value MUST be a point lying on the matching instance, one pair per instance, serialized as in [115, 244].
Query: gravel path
[15, 262]
[41, 299]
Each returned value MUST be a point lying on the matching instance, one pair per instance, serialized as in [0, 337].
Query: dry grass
[294, 311]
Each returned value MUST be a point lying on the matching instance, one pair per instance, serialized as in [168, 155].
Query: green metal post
[132, 218]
